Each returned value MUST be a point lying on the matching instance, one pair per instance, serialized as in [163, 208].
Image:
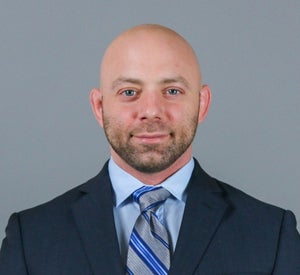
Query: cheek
[189, 119]
[116, 121]
[186, 113]
[116, 112]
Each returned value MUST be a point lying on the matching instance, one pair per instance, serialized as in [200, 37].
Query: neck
[153, 178]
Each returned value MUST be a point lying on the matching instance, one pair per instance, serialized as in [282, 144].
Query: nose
[151, 106]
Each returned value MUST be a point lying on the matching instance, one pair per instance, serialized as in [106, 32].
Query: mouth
[151, 138]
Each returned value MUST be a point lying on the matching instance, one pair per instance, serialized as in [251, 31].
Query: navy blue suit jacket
[223, 231]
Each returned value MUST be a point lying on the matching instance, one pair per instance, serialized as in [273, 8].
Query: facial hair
[150, 158]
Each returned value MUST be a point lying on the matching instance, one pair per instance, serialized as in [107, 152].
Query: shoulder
[235, 197]
[241, 207]
[61, 205]
[238, 198]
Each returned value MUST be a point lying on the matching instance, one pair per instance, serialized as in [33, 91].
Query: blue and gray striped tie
[149, 250]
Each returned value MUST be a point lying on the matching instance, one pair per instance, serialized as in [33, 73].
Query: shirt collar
[125, 184]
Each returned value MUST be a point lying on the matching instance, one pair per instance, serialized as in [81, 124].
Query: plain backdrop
[50, 53]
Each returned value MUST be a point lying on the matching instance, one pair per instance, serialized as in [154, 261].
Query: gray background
[49, 60]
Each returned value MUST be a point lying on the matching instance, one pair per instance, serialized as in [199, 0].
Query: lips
[151, 138]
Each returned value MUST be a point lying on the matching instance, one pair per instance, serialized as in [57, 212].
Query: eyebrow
[122, 80]
[176, 79]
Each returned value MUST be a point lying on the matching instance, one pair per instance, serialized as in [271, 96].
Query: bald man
[150, 101]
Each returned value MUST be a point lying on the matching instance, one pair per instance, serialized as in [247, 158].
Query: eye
[129, 92]
[173, 91]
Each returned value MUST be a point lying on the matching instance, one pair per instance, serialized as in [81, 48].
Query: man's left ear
[205, 98]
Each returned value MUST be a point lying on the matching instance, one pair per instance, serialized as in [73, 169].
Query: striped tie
[149, 249]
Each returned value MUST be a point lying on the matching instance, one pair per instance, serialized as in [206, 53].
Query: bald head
[150, 101]
[148, 45]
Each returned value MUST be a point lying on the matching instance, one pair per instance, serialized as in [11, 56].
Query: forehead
[141, 55]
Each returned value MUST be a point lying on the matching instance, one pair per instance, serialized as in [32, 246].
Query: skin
[150, 101]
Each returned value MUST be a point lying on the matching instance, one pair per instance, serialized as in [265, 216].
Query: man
[150, 101]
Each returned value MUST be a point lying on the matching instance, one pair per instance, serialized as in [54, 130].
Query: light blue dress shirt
[126, 210]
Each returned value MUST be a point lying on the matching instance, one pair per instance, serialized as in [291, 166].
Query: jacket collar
[93, 213]
[204, 210]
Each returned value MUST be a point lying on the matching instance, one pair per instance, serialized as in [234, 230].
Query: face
[149, 140]
[149, 101]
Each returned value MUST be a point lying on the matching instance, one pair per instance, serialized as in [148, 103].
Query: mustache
[151, 128]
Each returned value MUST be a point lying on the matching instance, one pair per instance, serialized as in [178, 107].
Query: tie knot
[149, 197]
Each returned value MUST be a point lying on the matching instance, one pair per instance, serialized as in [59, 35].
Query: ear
[205, 98]
[96, 104]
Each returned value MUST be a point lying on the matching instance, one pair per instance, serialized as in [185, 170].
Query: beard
[150, 158]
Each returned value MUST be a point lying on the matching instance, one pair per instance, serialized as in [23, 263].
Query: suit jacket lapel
[203, 214]
[93, 213]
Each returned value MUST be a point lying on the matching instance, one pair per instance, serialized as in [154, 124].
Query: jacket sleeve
[12, 261]
[288, 254]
